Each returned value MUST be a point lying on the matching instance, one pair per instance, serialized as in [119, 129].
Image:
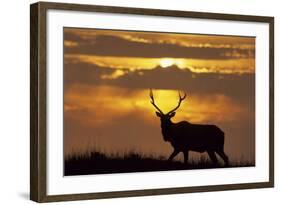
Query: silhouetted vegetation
[99, 163]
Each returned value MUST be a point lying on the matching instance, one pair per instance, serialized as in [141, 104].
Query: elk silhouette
[185, 136]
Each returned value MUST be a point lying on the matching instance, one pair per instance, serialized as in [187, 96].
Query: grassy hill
[99, 163]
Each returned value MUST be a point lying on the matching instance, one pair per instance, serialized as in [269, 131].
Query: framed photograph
[133, 102]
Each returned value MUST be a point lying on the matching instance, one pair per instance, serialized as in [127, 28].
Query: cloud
[112, 44]
[77, 72]
[238, 86]
[195, 65]
[105, 104]
[183, 39]
[175, 78]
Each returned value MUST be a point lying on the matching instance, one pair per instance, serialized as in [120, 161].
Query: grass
[99, 163]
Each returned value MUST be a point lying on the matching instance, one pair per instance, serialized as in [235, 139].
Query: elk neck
[166, 127]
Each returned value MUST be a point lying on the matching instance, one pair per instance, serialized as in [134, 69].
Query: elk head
[166, 118]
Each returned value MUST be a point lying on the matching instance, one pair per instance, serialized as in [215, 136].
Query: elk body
[185, 137]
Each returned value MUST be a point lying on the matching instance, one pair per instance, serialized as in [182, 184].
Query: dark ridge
[99, 163]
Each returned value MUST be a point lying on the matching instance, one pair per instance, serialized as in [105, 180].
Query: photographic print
[136, 102]
[139, 101]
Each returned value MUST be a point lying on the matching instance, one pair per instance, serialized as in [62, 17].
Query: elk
[185, 136]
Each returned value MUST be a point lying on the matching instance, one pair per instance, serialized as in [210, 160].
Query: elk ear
[172, 114]
[158, 114]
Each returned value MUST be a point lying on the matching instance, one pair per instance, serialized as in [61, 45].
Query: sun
[166, 62]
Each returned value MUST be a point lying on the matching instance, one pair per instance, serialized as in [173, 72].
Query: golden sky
[108, 74]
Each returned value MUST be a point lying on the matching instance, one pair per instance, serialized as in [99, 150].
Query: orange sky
[107, 76]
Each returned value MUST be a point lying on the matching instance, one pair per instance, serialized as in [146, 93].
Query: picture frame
[41, 78]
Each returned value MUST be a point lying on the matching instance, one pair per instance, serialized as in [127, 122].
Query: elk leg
[223, 156]
[175, 152]
[185, 154]
[213, 157]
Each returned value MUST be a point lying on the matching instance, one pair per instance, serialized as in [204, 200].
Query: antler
[179, 103]
[152, 101]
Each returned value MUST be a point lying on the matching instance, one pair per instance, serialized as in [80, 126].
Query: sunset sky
[108, 74]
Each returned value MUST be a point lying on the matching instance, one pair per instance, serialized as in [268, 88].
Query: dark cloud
[84, 73]
[198, 83]
[106, 45]
[238, 86]
[69, 36]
